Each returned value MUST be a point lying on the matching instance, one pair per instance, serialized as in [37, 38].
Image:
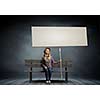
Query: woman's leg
[50, 72]
[45, 68]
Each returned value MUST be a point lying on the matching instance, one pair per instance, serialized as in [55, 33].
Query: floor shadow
[52, 81]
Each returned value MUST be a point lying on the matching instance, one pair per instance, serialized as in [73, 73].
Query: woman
[47, 63]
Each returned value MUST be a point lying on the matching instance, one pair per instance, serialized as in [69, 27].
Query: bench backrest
[37, 63]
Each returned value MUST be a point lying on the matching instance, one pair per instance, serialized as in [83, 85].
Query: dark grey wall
[16, 45]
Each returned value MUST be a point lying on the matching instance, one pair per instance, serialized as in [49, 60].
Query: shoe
[49, 81]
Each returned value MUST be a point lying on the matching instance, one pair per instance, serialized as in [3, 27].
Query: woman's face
[47, 51]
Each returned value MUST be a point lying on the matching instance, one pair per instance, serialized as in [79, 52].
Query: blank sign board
[59, 36]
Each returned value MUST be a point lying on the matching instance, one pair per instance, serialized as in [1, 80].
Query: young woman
[47, 63]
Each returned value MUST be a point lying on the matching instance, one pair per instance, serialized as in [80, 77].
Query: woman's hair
[46, 49]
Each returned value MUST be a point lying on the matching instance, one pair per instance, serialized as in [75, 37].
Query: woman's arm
[43, 63]
[55, 62]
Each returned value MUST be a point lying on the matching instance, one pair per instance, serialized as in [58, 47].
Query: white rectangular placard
[59, 36]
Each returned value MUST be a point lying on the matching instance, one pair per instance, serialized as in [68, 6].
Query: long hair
[46, 49]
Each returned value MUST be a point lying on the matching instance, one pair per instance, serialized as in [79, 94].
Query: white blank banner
[59, 36]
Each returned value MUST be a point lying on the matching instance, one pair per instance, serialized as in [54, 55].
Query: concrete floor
[56, 81]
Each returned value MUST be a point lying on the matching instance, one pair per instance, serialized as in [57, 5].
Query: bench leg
[66, 76]
[30, 75]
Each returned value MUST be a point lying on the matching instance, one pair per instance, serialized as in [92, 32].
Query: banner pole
[60, 56]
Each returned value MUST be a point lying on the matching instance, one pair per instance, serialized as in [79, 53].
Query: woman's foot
[48, 82]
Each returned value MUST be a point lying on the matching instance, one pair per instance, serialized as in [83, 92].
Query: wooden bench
[34, 66]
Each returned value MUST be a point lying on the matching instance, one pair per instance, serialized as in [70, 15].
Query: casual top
[48, 62]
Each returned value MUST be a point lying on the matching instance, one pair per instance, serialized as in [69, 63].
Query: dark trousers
[48, 72]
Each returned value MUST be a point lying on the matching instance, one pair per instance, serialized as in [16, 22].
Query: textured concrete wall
[16, 44]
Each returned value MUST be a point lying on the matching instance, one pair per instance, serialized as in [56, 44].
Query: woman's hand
[59, 61]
